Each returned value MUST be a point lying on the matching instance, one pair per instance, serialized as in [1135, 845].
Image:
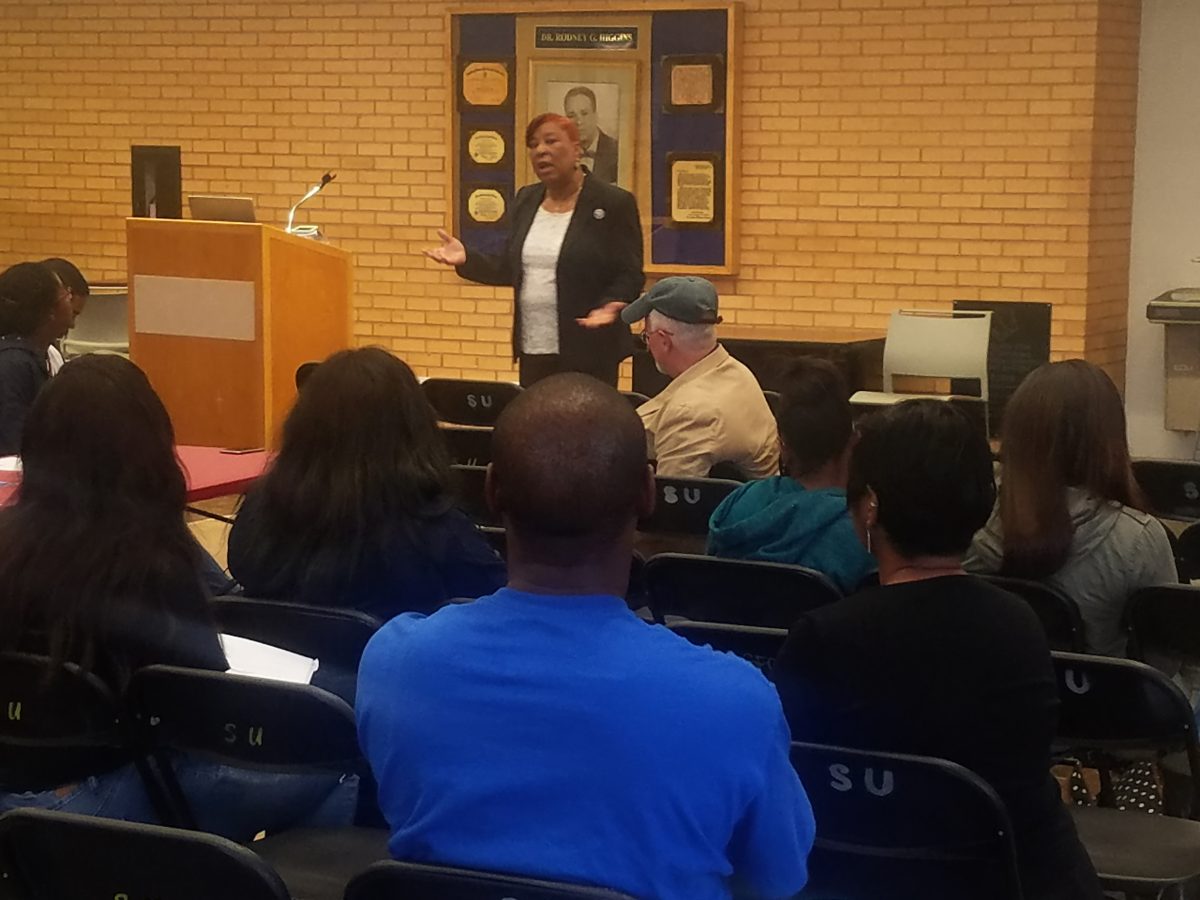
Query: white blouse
[539, 282]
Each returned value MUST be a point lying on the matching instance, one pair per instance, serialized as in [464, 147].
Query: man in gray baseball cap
[713, 411]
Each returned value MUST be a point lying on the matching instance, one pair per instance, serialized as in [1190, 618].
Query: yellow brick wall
[895, 152]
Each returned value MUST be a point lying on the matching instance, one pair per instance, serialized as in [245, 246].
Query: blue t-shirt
[562, 737]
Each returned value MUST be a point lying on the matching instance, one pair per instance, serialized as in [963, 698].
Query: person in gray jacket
[1070, 512]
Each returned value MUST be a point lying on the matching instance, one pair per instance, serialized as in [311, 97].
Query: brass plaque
[486, 205]
[692, 85]
[693, 191]
[485, 83]
[486, 147]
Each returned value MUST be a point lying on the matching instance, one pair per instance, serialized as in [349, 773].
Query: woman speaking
[573, 258]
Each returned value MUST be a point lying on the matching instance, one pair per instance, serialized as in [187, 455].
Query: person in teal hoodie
[800, 517]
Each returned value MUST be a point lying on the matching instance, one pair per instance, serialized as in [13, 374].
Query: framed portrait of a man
[601, 99]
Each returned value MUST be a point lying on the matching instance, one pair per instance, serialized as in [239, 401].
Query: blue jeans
[235, 803]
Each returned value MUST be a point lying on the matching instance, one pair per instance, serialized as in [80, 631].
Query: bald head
[569, 460]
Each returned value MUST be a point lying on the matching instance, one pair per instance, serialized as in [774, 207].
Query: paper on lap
[259, 660]
[10, 464]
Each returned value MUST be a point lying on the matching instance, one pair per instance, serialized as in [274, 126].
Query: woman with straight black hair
[356, 510]
[98, 568]
[35, 311]
[1070, 512]
[936, 662]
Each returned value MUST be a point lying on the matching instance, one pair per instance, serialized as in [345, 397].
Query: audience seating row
[925, 827]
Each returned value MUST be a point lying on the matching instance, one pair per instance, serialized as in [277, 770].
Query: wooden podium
[220, 316]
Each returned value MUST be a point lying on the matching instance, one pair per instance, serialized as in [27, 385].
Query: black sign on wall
[1020, 342]
[574, 37]
[156, 174]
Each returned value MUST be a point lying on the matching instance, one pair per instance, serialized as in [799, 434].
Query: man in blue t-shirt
[545, 730]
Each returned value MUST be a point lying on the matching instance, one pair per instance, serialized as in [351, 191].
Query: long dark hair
[96, 542]
[361, 462]
[1064, 427]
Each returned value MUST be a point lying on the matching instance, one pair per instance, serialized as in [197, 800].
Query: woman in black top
[35, 311]
[573, 257]
[356, 510]
[97, 567]
[934, 661]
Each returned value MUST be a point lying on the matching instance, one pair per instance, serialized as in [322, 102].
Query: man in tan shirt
[713, 411]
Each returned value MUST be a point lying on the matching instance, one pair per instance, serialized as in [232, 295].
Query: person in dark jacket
[357, 509]
[934, 661]
[35, 311]
[573, 257]
[800, 517]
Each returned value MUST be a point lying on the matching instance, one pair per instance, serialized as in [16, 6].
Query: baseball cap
[684, 298]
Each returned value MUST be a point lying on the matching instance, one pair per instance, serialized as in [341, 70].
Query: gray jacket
[1116, 550]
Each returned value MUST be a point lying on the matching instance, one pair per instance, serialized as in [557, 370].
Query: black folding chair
[468, 446]
[48, 855]
[1059, 614]
[257, 723]
[469, 488]
[1172, 487]
[774, 400]
[1110, 708]
[758, 646]
[733, 591]
[391, 880]
[635, 399]
[1186, 548]
[903, 827]
[335, 637]
[684, 505]
[466, 402]
[61, 719]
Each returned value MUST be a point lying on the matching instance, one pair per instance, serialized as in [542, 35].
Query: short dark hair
[568, 460]
[580, 91]
[28, 292]
[814, 418]
[931, 470]
[68, 273]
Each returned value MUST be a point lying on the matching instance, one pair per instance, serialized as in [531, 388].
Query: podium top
[185, 229]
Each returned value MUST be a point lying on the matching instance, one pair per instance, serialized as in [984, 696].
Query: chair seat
[318, 863]
[1133, 851]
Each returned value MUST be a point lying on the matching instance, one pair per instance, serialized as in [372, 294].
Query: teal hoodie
[777, 520]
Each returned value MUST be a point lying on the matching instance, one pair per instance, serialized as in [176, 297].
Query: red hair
[568, 126]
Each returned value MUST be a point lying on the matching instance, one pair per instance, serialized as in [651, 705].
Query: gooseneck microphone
[312, 192]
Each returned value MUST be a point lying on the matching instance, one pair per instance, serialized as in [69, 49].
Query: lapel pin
[597, 214]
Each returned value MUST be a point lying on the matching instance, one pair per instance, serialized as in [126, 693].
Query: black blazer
[600, 260]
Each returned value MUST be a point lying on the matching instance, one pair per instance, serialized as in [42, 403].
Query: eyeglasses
[645, 334]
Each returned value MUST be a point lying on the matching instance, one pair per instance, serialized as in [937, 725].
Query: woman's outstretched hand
[451, 253]
[603, 315]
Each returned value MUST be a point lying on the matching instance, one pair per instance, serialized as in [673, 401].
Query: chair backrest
[391, 880]
[55, 720]
[758, 646]
[684, 505]
[1164, 620]
[53, 854]
[1058, 613]
[635, 398]
[466, 402]
[468, 446]
[243, 721]
[923, 827]
[937, 343]
[1186, 550]
[335, 637]
[1171, 486]
[774, 400]
[469, 488]
[1122, 704]
[733, 591]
